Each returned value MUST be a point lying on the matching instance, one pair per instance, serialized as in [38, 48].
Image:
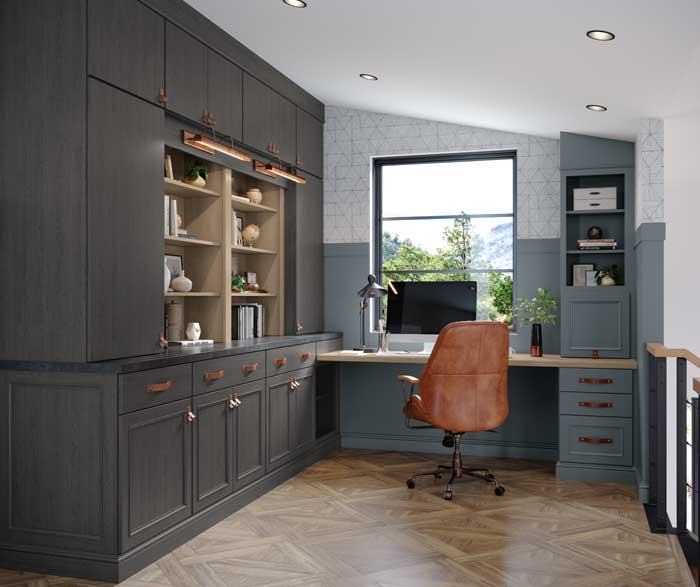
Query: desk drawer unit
[617, 405]
[145, 389]
[228, 371]
[595, 440]
[291, 358]
[596, 380]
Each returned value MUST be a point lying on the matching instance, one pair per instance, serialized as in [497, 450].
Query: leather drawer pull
[159, 387]
[593, 381]
[233, 401]
[214, 375]
[304, 356]
[595, 404]
[190, 416]
[249, 368]
[592, 440]
[280, 362]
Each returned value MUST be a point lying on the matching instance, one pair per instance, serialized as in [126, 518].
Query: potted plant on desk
[537, 312]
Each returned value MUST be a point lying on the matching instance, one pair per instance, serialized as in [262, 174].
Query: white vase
[254, 195]
[166, 277]
[194, 331]
[181, 283]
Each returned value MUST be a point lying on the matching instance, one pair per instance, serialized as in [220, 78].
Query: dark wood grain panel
[309, 143]
[125, 224]
[284, 121]
[126, 42]
[304, 412]
[309, 255]
[257, 113]
[185, 73]
[280, 434]
[42, 180]
[225, 95]
[153, 387]
[250, 433]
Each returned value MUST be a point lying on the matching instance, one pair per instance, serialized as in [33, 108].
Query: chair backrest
[464, 387]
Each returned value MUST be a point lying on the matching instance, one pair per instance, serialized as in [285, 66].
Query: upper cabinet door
[284, 120]
[185, 73]
[225, 95]
[309, 143]
[125, 46]
[257, 113]
[125, 224]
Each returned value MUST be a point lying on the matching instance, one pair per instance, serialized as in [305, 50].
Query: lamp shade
[372, 289]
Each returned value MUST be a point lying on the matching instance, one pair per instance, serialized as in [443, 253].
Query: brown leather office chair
[464, 388]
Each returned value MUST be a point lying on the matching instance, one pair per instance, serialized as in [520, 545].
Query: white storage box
[595, 199]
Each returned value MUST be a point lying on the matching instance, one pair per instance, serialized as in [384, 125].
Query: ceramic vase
[200, 182]
[181, 283]
[254, 195]
[607, 280]
[536, 341]
[194, 331]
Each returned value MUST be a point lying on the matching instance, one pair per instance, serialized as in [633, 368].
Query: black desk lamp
[371, 290]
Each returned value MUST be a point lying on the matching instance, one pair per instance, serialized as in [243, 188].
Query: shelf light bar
[271, 171]
[210, 146]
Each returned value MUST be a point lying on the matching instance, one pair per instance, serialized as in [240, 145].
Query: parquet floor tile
[350, 521]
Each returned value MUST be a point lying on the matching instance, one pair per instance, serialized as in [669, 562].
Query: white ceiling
[516, 65]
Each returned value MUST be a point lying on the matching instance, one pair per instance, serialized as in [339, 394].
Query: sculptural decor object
[194, 331]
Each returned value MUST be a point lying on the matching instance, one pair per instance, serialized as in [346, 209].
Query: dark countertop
[174, 355]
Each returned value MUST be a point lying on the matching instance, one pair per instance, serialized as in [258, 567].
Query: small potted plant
[197, 174]
[537, 312]
[607, 275]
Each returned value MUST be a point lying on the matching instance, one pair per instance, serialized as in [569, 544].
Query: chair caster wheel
[489, 477]
[448, 495]
[411, 483]
[437, 475]
[448, 441]
[500, 490]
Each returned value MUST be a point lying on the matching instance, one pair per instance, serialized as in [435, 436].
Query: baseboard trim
[494, 449]
[114, 569]
[596, 473]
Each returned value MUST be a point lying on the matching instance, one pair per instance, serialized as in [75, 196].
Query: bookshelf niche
[211, 252]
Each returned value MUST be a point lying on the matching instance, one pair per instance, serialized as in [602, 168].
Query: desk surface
[514, 361]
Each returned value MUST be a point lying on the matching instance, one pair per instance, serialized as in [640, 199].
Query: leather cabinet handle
[233, 401]
[593, 440]
[159, 387]
[249, 368]
[280, 362]
[162, 98]
[213, 375]
[304, 356]
[595, 404]
[594, 381]
[190, 416]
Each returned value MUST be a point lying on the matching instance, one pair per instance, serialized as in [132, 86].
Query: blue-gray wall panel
[586, 152]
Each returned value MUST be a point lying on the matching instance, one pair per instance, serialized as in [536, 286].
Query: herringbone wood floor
[350, 521]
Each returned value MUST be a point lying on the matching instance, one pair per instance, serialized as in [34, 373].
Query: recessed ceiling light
[596, 107]
[369, 77]
[295, 3]
[600, 35]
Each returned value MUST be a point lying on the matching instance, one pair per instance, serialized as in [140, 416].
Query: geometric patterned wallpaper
[353, 137]
[650, 171]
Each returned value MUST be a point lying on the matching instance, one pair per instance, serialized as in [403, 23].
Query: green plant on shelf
[197, 169]
[607, 275]
[542, 309]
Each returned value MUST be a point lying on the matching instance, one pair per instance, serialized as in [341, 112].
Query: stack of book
[599, 244]
[248, 321]
[170, 227]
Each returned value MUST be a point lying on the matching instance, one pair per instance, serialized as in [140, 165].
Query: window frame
[378, 163]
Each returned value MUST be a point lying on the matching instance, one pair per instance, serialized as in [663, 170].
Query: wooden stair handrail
[660, 351]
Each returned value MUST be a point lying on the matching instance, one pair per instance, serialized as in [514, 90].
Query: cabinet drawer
[596, 380]
[154, 387]
[228, 371]
[595, 404]
[594, 440]
[291, 358]
[328, 346]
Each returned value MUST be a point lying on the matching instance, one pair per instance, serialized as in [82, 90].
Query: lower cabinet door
[213, 448]
[280, 427]
[250, 433]
[304, 409]
[155, 471]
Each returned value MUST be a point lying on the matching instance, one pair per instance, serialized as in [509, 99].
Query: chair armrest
[409, 379]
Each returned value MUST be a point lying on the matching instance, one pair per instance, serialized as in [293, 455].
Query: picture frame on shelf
[251, 277]
[579, 273]
[591, 280]
[175, 265]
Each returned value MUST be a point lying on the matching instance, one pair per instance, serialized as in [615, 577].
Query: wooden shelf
[251, 251]
[175, 187]
[602, 252]
[593, 212]
[192, 294]
[189, 242]
[252, 294]
[241, 204]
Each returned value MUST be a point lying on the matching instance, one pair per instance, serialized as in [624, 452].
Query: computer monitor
[418, 310]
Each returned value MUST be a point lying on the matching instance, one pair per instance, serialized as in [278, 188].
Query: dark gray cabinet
[124, 224]
[155, 471]
[213, 448]
[185, 73]
[250, 433]
[304, 410]
[126, 41]
[269, 120]
[304, 258]
[225, 95]
[309, 143]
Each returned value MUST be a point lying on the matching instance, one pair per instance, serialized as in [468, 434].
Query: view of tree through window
[449, 218]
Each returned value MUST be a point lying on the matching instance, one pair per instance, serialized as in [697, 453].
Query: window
[448, 218]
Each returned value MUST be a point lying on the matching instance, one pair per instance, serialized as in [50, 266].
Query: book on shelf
[166, 215]
[200, 342]
[597, 244]
[248, 321]
[173, 217]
